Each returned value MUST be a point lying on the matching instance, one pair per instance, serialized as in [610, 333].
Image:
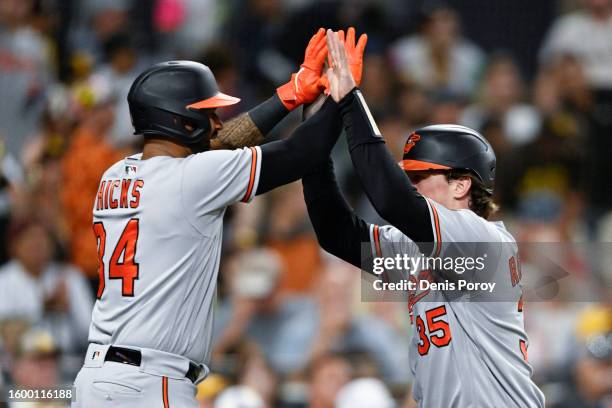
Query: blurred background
[535, 77]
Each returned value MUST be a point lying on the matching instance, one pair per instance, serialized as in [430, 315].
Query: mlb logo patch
[95, 355]
[131, 169]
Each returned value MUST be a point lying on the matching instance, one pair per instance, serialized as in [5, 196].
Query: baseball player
[469, 348]
[158, 217]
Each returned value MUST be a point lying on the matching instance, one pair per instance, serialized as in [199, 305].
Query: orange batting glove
[305, 85]
[354, 53]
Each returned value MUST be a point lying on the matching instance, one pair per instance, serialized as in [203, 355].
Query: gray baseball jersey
[469, 348]
[158, 223]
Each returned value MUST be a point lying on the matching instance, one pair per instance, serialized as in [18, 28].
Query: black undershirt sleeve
[386, 185]
[339, 230]
[308, 146]
[268, 114]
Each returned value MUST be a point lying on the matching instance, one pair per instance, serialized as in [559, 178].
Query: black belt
[134, 357]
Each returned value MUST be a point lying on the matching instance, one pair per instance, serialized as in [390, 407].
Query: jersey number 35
[439, 330]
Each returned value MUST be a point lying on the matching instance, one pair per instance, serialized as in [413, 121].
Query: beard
[206, 144]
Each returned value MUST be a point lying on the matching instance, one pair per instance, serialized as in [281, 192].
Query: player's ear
[461, 187]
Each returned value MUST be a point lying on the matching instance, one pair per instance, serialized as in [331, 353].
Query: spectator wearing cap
[36, 363]
[48, 294]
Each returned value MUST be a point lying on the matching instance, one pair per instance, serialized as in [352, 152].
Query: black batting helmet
[446, 147]
[164, 100]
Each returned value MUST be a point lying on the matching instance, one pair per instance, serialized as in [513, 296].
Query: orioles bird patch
[412, 139]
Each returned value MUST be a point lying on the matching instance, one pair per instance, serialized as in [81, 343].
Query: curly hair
[481, 202]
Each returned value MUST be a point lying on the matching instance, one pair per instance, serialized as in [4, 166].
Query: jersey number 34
[121, 264]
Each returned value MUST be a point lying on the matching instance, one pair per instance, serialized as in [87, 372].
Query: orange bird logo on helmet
[412, 139]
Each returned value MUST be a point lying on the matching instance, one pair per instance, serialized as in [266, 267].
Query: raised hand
[354, 52]
[339, 74]
[306, 85]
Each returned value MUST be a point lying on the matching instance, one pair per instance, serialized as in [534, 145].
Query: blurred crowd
[290, 328]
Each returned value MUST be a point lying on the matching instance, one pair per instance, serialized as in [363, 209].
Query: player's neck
[462, 204]
[160, 147]
[454, 204]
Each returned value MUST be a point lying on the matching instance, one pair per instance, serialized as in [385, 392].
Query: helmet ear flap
[150, 121]
[194, 129]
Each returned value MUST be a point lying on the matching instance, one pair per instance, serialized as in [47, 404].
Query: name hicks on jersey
[119, 193]
[424, 284]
